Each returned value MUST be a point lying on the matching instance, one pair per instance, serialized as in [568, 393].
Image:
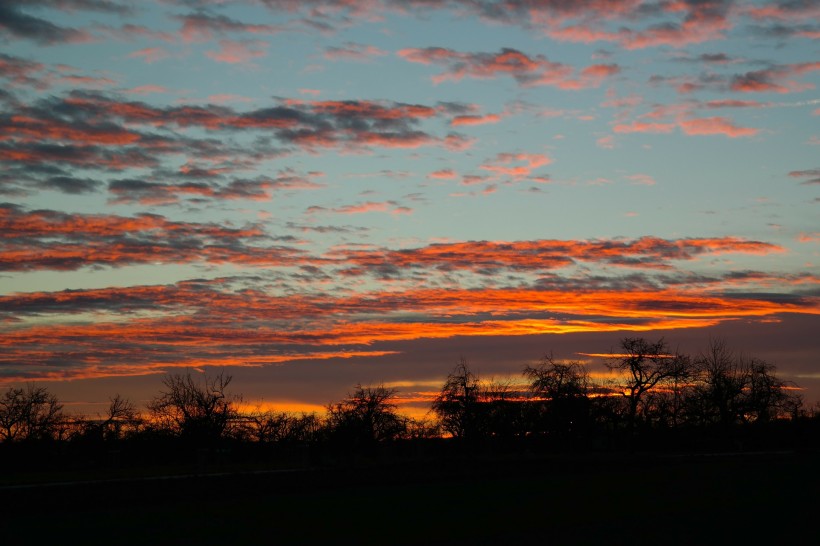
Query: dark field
[765, 498]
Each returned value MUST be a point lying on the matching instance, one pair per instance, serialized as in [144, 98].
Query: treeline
[654, 399]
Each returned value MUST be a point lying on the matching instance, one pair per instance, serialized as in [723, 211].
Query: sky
[308, 195]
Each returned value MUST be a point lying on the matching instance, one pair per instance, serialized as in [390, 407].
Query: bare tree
[645, 365]
[457, 403]
[121, 418]
[195, 409]
[367, 415]
[558, 380]
[422, 429]
[278, 426]
[734, 389]
[721, 381]
[560, 392]
[32, 413]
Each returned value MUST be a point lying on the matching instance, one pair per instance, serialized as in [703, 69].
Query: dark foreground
[762, 498]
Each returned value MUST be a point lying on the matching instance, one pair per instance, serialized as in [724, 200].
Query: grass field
[592, 499]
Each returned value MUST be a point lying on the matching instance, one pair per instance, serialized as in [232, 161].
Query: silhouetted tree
[194, 409]
[721, 380]
[768, 397]
[733, 389]
[422, 429]
[645, 365]
[457, 404]
[122, 417]
[32, 413]
[500, 410]
[560, 390]
[278, 426]
[557, 380]
[366, 416]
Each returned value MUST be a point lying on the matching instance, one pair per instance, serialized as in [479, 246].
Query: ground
[616, 498]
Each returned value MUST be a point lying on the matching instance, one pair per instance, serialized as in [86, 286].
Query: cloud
[223, 322]
[527, 71]
[734, 103]
[391, 207]
[715, 126]
[238, 52]
[475, 120]
[684, 120]
[146, 89]
[33, 129]
[22, 72]
[541, 255]
[102, 132]
[150, 54]
[47, 239]
[443, 174]
[18, 23]
[607, 142]
[812, 176]
[473, 179]
[642, 179]
[261, 188]
[202, 27]
[774, 80]
[508, 164]
[643, 127]
[351, 51]
[687, 22]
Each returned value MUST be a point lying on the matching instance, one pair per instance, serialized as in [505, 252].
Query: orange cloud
[715, 126]
[443, 174]
[475, 120]
[504, 164]
[217, 334]
[644, 127]
[646, 252]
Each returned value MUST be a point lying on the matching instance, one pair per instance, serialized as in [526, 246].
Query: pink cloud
[732, 103]
[473, 179]
[621, 102]
[591, 76]
[225, 98]
[691, 23]
[373, 206]
[146, 90]
[786, 11]
[150, 54]
[642, 179]
[201, 27]
[526, 70]
[644, 127]
[234, 52]
[715, 126]
[774, 80]
[458, 143]
[606, 142]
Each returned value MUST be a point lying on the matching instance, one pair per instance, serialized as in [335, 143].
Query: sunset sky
[312, 194]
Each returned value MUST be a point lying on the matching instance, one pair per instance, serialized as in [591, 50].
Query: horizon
[315, 195]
